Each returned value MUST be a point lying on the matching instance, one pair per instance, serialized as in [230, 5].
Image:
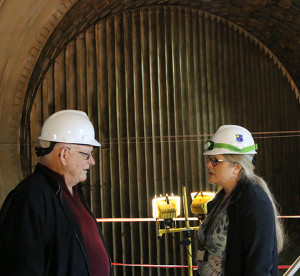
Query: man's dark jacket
[38, 232]
[251, 248]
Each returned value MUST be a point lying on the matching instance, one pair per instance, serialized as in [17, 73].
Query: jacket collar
[55, 178]
[240, 186]
[236, 193]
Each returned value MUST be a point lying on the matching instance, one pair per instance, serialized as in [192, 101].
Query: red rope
[175, 266]
[165, 266]
[153, 219]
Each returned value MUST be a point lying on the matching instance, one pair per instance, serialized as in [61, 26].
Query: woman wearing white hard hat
[241, 234]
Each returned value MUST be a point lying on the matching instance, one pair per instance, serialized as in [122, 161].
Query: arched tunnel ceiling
[274, 23]
[33, 32]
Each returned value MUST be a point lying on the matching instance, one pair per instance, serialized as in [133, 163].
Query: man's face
[77, 163]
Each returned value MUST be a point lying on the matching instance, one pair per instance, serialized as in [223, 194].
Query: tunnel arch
[119, 179]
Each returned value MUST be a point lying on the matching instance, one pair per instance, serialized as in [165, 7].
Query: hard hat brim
[93, 142]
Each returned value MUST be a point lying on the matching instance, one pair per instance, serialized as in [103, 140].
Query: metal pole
[293, 269]
[187, 224]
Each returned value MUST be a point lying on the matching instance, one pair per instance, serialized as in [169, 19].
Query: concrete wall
[24, 28]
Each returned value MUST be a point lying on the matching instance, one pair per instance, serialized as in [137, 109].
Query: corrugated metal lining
[155, 83]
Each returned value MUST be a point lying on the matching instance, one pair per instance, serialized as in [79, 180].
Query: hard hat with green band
[212, 145]
[231, 139]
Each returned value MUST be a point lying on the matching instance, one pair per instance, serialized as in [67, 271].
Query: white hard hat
[69, 126]
[231, 139]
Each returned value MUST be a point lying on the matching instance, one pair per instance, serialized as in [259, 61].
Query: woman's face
[221, 171]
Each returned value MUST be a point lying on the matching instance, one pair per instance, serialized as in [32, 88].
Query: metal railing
[293, 269]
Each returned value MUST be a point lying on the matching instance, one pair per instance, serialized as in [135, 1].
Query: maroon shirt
[97, 255]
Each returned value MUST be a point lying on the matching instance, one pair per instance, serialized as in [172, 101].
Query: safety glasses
[85, 155]
[214, 161]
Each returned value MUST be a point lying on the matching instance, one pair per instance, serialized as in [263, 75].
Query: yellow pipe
[175, 230]
[187, 225]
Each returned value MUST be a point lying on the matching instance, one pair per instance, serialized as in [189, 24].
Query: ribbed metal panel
[155, 83]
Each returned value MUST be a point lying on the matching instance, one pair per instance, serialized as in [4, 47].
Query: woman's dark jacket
[251, 247]
[38, 232]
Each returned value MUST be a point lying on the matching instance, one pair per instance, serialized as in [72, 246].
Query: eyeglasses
[214, 161]
[85, 155]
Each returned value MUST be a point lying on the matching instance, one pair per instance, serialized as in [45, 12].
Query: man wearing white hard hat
[46, 226]
[241, 234]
